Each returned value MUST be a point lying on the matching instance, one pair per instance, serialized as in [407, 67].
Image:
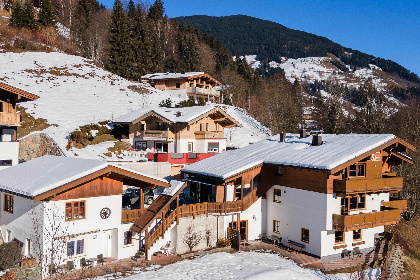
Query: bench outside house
[296, 245]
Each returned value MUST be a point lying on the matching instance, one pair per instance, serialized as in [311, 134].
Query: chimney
[303, 133]
[316, 139]
[282, 136]
[179, 113]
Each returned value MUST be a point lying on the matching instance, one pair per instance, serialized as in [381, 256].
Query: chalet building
[320, 194]
[190, 85]
[71, 204]
[10, 120]
[189, 134]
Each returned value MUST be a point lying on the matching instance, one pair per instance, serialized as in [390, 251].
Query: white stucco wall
[9, 150]
[298, 209]
[158, 169]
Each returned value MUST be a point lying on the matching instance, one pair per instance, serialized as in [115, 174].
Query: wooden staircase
[201, 209]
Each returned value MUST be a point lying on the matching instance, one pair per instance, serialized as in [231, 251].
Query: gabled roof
[43, 177]
[187, 75]
[19, 92]
[187, 115]
[335, 152]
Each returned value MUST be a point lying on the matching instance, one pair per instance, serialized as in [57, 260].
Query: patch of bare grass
[29, 123]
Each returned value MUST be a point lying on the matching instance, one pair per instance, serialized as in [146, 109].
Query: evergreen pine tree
[156, 10]
[28, 15]
[46, 15]
[17, 15]
[118, 40]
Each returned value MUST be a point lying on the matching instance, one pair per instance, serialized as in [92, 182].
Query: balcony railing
[395, 204]
[368, 185]
[12, 119]
[367, 220]
[130, 216]
[197, 90]
[209, 135]
[155, 134]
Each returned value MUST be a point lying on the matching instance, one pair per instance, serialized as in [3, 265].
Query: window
[213, 147]
[217, 127]
[277, 195]
[141, 146]
[75, 247]
[279, 171]
[304, 235]
[276, 226]
[207, 126]
[161, 147]
[357, 234]
[191, 84]
[339, 237]
[190, 147]
[75, 210]
[142, 126]
[178, 85]
[6, 162]
[352, 203]
[8, 203]
[128, 237]
[357, 170]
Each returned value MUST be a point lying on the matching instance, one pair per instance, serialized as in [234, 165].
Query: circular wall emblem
[105, 213]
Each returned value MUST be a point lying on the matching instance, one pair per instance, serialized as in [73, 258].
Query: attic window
[8, 203]
[357, 170]
[178, 85]
[75, 210]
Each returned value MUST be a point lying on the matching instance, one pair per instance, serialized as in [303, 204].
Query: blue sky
[387, 29]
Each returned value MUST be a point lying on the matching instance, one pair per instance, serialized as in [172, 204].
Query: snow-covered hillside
[321, 69]
[74, 91]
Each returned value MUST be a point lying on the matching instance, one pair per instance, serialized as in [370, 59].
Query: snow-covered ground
[74, 91]
[242, 265]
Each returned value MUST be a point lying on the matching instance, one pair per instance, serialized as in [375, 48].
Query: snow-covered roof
[334, 151]
[171, 114]
[165, 76]
[174, 188]
[46, 173]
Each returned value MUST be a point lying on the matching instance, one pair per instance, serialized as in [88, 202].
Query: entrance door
[107, 237]
[243, 229]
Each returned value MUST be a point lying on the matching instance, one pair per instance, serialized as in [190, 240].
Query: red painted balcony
[178, 158]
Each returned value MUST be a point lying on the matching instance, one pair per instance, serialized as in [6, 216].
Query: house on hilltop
[10, 120]
[65, 209]
[320, 194]
[178, 135]
[189, 85]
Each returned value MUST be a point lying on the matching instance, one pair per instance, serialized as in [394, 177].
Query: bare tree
[192, 238]
[49, 237]
[208, 233]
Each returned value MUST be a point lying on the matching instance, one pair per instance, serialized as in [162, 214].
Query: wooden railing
[209, 135]
[366, 220]
[130, 216]
[154, 133]
[9, 118]
[366, 185]
[201, 209]
[395, 204]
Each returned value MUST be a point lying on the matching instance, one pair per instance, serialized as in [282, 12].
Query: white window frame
[75, 247]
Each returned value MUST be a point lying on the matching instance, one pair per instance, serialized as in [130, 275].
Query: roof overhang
[206, 77]
[107, 170]
[21, 95]
[396, 143]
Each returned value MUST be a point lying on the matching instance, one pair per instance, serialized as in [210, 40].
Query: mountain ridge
[270, 41]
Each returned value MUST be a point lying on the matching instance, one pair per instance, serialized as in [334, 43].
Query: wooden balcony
[200, 135]
[164, 134]
[368, 220]
[203, 91]
[10, 119]
[130, 216]
[353, 186]
[395, 204]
